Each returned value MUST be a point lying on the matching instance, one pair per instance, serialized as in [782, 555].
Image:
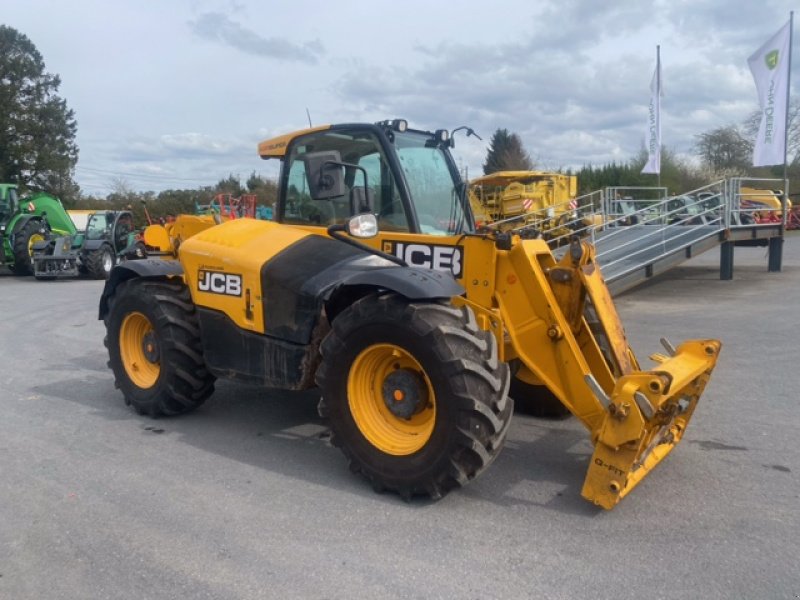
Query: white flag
[654, 124]
[770, 68]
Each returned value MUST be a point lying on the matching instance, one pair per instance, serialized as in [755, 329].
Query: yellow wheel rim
[139, 350]
[36, 237]
[375, 400]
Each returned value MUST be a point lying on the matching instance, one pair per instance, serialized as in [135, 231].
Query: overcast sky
[178, 93]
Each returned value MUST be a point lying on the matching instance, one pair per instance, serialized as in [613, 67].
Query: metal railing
[635, 226]
[724, 203]
[652, 228]
[758, 201]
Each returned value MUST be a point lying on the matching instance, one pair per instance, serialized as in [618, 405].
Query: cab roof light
[400, 125]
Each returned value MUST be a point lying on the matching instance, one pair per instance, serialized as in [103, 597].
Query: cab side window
[96, 227]
[388, 206]
[300, 208]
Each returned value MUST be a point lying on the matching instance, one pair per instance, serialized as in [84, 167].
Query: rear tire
[536, 401]
[100, 262]
[384, 352]
[154, 348]
[33, 231]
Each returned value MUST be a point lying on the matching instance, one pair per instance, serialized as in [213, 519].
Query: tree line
[180, 201]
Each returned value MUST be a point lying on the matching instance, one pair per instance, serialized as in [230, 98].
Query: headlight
[363, 226]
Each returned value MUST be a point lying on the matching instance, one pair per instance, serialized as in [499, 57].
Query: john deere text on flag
[770, 68]
[654, 123]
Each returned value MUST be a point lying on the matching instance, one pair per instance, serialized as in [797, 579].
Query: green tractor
[26, 221]
[109, 236]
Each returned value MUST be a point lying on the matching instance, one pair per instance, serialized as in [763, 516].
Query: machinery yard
[245, 498]
[536, 342]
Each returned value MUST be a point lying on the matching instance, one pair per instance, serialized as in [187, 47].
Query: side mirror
[324, 174]
[362, 200]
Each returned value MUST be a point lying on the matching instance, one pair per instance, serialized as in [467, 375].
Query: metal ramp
[634, 254]
[642, 232]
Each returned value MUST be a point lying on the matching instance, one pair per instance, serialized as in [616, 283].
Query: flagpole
[658, 92]
[786, 126]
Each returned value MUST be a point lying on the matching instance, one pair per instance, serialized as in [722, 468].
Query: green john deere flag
[770, 68]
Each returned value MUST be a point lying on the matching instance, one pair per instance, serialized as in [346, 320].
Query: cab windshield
[433, 187]
[434, 190]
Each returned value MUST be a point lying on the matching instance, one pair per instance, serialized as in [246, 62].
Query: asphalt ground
[245, 498]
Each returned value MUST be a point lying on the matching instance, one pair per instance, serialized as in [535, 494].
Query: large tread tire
[469, 384]
[180, 381]
[100, 262]
[537, 401]
[23, 258]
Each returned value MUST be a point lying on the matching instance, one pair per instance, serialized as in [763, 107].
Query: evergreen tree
[230, 185]
[506, 153]
[37, 130]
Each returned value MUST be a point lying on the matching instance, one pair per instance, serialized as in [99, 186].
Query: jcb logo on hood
[429, 256]
[214, 282]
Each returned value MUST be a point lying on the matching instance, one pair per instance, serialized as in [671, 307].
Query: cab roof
[276, 147]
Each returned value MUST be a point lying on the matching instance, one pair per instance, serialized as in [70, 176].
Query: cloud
[197, 143]
[575, 94]
[549, 98]
[217, 27]
[570, 76]
[182, 160]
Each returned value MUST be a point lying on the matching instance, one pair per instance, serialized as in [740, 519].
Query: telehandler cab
[374, 285]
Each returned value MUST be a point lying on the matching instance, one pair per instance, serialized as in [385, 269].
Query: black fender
[319, 273]
[412, 282]
[150, 268]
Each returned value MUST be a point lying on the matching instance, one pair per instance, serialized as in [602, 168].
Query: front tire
[414, 393]
[100, 262]
[33, 231]
[154, 348]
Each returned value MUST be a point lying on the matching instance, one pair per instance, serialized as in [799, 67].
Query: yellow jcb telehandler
[374, 285]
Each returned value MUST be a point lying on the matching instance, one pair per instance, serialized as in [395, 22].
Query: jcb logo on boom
[429, 256]
[214, 282]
